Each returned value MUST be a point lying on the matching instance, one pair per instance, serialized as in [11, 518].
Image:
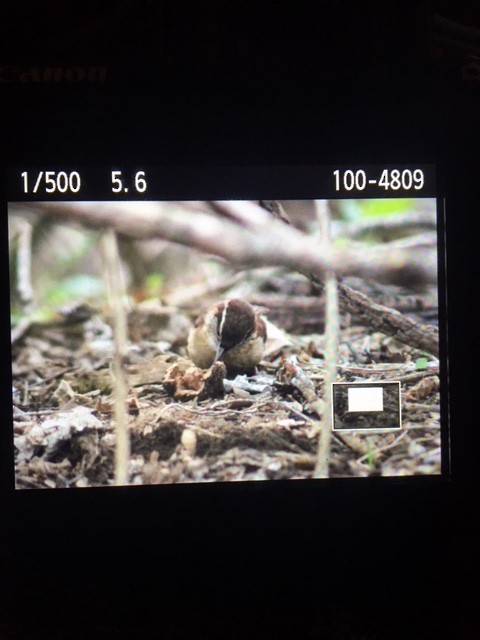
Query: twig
[419, 240]
[245, 213]
[331, 346]
[379, 450]
[332, 330]
[188, 295]
[21, 329]
[410, 220]
[389, 370]
[430, 452]
[279, 441]
[206, 432]
[421, 406]
[24, 278]
[116, 297]
[419, 375]
[24, 265]
[418, 427]
[367, 372]
[291, 373]
[276, 210]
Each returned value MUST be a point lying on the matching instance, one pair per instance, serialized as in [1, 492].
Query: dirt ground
[258, 428]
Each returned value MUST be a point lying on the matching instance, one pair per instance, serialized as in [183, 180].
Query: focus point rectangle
[365, 399]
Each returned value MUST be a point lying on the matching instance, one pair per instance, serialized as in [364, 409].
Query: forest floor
[254, 428]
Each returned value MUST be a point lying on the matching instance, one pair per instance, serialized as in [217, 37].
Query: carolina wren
[230, 331]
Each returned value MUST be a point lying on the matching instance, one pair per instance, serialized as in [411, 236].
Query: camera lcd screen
[183, 325]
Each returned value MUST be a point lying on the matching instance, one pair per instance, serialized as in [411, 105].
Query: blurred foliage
[153, 285]
[73, 288]
[61, 293]
[376, 219]
[370, 460]
[356, 210]
[67, 264]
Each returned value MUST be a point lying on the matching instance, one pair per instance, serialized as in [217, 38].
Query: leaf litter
[255, 428]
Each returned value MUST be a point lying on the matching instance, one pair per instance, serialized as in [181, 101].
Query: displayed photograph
[221, 341]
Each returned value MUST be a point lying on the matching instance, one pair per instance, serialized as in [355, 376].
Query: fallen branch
[265, 242]
[385, 320]
[381, 318]
[261, 241]
[389, 321]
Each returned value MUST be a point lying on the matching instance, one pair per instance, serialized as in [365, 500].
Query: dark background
[237, 83]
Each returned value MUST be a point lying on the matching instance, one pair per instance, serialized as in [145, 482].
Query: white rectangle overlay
[365, 399]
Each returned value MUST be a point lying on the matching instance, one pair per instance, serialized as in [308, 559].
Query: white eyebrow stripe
[223, 318]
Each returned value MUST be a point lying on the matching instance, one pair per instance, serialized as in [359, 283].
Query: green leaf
[381, 208]
[421, 364]
[153, 285]
[355, 210]
[76, 288]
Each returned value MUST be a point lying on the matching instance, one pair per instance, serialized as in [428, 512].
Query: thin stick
[116, 297]
[379, 450]
[24, 265]
[331, 348]
[332, 330]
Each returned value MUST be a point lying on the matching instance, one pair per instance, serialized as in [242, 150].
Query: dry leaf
[184, 381]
